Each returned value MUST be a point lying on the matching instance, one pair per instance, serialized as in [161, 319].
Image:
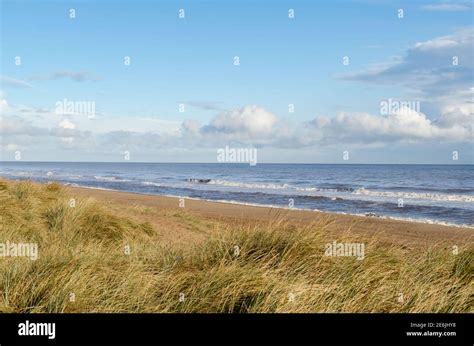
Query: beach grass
[95, 258]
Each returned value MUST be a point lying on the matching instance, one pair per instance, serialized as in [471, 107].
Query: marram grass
[83, 265]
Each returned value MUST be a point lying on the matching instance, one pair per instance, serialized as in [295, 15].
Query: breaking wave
[415, 195]
[112, 178]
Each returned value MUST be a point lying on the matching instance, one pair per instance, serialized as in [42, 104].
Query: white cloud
[252, 121]
[66, 124]
[405, 125]
[428, 67]
[250, 126]
[428, 74]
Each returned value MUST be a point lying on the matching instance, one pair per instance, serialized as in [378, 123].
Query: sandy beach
[394, 231]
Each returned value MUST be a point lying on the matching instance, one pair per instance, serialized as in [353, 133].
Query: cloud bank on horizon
[431, 110]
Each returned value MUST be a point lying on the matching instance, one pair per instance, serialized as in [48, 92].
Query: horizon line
[246, 163]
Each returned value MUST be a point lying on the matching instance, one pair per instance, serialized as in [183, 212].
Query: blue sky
[283, 61]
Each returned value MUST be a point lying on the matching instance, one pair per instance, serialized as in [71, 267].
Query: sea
[440, 194]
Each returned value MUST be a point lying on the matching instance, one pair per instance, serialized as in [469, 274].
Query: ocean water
[426, 193]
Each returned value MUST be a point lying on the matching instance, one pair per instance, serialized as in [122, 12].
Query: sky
[300, 81]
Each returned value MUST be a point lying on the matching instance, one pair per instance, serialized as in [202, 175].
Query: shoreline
[393, 230]
[375, 216]
[434, 204]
